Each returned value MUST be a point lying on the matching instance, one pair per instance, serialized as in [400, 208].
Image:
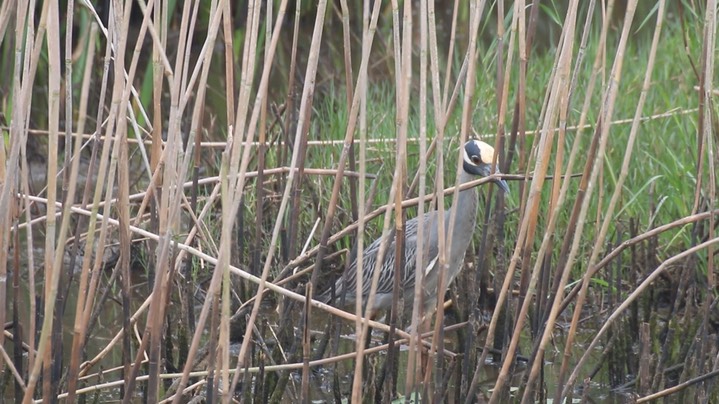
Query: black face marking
[472, 150]
[473, 163]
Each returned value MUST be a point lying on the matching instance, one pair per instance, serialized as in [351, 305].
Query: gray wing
[386, 279]
[430, 247]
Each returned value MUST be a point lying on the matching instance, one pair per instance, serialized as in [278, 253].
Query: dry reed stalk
[9, 212]
[502, 90]
[223, 263]
[82, 115]
[261, 151]
[135, 96]
[606, 116]
[397, 51]
[249, 49]
[558, 197]
[671, 113]
[123, 185]
[261, 94]
[441, 113]
[707, 126]
[445, 239]
[18, 379]
[122, 90]
[518, 125]
[609, 213]
[559, 89]
[17, 361]
[348, 140]
[503, 76]
[156, 156]
[65, 276]
[442, 110]
[401, 127]
[524, 164]
[34, 41]
[49, 20]
[86, 366]
[168, 208]
[362, 79]
[598, 66]
[182, 98]
[306, 345]
[678, 388]
[9, 216]
[559, 200]
[710, 24]
[359, 97]
[530, 210]
[413, 366]
[235, 188]
[701, 77]
[159, 24]
[303, 127]
[346, 35]
[19, 134]
[290, 99]
[442, 107]
[218, 344]
[188, 49]
[188, 389]
[450, 51]
[520, 107]
[119, 159]
[196, 132]
[229, 61]
[85, 298]
[5, 12]
[519, 119]
[259, 183]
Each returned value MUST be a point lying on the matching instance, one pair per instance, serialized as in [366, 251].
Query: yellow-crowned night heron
[478, 157]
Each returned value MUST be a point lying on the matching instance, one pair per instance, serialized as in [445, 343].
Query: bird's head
[478, 157]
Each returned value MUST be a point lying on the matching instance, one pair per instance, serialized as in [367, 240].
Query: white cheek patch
[486, 152]
[466, 158]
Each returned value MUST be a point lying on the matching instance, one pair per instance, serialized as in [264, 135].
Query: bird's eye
[476, 160]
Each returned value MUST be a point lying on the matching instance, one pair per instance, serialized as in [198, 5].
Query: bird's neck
[466, 206]
[466, 217]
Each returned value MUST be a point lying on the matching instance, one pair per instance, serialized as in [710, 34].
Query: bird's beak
[502, 184]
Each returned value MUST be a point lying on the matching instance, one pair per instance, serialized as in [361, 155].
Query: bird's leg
[366, 367]
[425, 325]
